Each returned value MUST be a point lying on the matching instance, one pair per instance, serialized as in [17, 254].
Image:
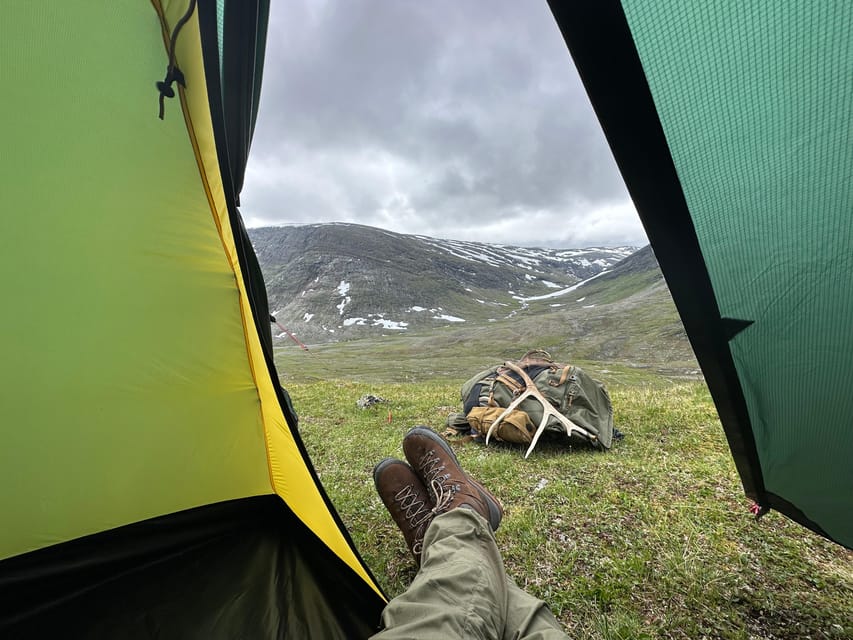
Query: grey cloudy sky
[454, 119]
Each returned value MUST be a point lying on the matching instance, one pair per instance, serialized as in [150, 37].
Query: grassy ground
[650, 540]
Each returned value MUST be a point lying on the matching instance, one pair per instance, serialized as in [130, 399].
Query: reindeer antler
[547, 411]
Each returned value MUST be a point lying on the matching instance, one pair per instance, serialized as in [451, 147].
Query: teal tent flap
[730, 124]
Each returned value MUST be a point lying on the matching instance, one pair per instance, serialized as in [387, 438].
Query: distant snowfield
[379, 320]
[343, 288]
[561, 292]
[376, 322]
[526, 257]
[439, 316]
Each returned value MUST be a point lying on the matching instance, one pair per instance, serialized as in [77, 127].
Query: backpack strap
[563, 377]
[513, 384]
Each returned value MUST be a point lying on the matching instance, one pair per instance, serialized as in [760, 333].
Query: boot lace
[443, 491]
[416, 513]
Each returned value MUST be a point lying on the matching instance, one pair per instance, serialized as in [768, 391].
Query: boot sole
[494, 506]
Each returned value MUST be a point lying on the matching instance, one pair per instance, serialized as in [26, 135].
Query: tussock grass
[650, 540]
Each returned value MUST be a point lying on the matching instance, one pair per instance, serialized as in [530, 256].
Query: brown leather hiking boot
[406, 499]
[448, 486]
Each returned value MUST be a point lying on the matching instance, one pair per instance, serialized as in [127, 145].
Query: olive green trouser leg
[462, 590]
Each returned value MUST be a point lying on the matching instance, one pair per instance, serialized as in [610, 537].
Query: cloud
[443, 118]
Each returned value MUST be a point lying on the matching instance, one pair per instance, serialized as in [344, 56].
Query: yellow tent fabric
[134, 381]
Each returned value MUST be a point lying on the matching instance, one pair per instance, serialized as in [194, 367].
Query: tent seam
[230, 258]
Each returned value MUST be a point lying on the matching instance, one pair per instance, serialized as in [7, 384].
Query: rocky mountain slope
[330, 282]
[623, 319]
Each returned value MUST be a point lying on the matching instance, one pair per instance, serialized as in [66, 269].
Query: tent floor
[243, 568]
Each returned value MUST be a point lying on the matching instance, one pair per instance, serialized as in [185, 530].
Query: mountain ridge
[339, 281]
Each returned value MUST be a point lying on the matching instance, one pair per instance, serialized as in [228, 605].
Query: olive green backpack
[577, 406]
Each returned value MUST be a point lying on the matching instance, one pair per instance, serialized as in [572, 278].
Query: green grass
[634, 353]
[650, 540]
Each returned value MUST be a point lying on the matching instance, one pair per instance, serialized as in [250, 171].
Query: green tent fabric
[154, 482]
[730, 123]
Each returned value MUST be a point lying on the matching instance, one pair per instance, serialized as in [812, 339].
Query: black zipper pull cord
[173, 73]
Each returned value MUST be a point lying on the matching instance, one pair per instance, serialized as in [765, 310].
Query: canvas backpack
[567, 388]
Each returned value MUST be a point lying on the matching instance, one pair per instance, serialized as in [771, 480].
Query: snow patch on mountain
[467, 251]
[561, 292]
[532, 259]
[525, 260]
[376, 320]
[343, 288]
